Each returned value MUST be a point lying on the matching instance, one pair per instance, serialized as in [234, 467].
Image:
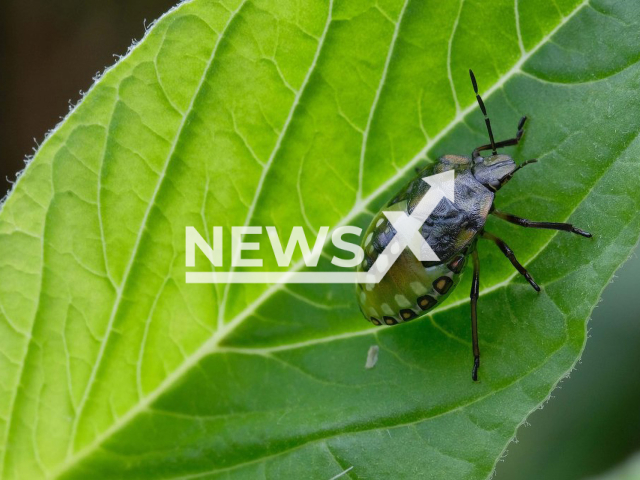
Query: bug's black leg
[504, 143]
[512, 258]
[523, 222]
[475, 293]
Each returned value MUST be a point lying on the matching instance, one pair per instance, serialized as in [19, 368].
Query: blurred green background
[592, 422]
[49, 52]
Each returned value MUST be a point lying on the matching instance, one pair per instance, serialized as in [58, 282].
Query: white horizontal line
[281, 277]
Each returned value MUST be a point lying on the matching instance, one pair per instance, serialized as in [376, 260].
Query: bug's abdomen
[409, 289]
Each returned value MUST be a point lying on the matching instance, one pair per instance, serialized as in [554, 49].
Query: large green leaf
[312, 113]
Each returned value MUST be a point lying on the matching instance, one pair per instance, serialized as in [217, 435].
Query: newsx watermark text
[407, 228]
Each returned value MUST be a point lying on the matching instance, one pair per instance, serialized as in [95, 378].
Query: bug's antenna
[484, 111]
[533, 160]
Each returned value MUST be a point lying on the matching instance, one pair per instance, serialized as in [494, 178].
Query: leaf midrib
[359, 207]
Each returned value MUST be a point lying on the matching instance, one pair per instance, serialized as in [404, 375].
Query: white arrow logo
[408, 227]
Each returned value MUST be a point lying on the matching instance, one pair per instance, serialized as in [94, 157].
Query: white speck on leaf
[372, 357]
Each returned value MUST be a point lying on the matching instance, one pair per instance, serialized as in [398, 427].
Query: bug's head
[496, 170]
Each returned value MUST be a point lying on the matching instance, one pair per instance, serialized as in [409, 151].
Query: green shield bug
[411, 287]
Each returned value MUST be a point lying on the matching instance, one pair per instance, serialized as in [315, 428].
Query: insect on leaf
[312, 113]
